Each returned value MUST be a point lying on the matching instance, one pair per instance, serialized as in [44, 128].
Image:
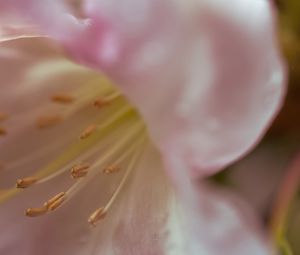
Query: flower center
[107, 147]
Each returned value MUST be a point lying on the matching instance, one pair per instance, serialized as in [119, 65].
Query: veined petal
[206, 75]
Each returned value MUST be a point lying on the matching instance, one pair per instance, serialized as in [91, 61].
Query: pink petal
[51, 17]
[217, 222]
[208, 220]
[206, 75]
[56, 234]
[153, 220]
[195, 75]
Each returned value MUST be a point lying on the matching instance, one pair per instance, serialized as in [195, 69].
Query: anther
[79, 170]
[55, 202]
[3, 116]
[88, 131]
[97, 215]
[48, 121]
[2, 131]
[34, 212]
[101, 102]
[26, 182]
[62, 98]
[111, 169]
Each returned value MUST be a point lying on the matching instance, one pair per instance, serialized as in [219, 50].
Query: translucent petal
[206, 76]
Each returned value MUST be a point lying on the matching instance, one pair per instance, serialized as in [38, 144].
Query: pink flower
[206, 79]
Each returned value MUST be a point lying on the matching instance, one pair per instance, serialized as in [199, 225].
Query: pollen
[97, 215]
[88, 131]
[34, 212]
[48, 121]
[62, 98]
[79, 170]
[55, 201]
[26, 182]
[111, 169]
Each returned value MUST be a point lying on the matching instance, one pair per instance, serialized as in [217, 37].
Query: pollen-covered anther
[88, 131]
[26, 182]
[79, 170]
[97, 215]
[56, 201]
[2, 131]
[48, 120]
[62, 98]
[111, 169]
[3, 116]
[34, 212]
[101, 102]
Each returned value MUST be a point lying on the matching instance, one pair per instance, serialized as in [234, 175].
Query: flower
[204, 79]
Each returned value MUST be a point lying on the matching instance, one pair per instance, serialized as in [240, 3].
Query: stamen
[2, 131]
[111, 169]
[34, 212]
[62, 98]
[101, 102]
[26, 182]
[56, 201]
[118, 146]
[102, 211]
[48, 121]
[79, 170]
[97, 215]
[3, 116]
[88, 131]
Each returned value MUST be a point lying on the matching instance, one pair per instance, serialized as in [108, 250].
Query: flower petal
[216, 223]
[9, 32]
[202, 220]
[51, 17]
[32, 70]
[206, 75]
[208, 220]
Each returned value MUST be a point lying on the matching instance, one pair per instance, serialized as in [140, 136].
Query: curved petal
[207, 77]
[215, 223]
[210, 220]
[150, 219]
[203, 220]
